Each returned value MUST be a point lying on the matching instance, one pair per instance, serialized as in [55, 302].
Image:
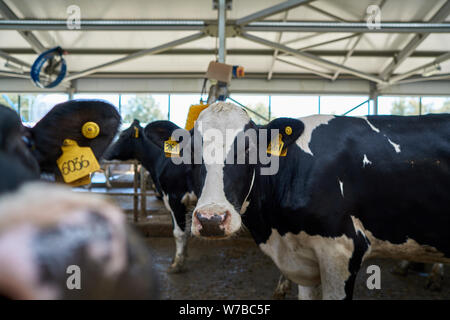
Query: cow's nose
[212, 224]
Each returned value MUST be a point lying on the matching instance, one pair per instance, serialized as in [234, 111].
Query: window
[403, 106]
[10, 100]
[35, 106]
[435, 105]
[339, 105]
[257, 103]
[144, 107]
[294, 106]
[179, 107]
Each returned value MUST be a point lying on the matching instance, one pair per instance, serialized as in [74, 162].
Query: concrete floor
[237, 269]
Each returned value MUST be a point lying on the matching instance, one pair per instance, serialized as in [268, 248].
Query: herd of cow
[346, 189]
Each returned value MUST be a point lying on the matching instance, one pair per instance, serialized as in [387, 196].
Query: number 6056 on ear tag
[76, 162]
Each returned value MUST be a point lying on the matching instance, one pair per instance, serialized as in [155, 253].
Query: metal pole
[319, 105]
[324, 75]
[286, 5]
[354, 108]
[136, 55]
[438, 60]
[441, 15]
[248, 109]
[143, 193]
[344, 27]
[8, 57]
[28, 36]
[135, 189]
[221, 18]
[311, 58]
[103, 25]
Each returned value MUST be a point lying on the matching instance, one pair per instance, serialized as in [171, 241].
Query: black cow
[58, 244]
[38, 148]
[171, 181]
[347, 189]
[65, 121]
[17, 164]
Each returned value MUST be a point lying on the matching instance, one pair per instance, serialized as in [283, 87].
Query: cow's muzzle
[211, 224]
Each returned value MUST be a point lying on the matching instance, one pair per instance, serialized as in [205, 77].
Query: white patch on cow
[366, 161]
[246, 203]
[409, 250]
[178, 234]
[311, 123]
[341, 186]
[371, 125]
[395, 145]
[312, 260]
[229, 120]
[309, 293]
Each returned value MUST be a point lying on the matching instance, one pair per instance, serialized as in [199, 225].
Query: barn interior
[284, 58]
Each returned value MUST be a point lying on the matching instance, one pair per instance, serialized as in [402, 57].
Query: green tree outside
[404, 107]
[142, 107]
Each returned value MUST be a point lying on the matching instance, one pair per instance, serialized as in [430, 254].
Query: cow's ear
[289, 128]
[163, 130]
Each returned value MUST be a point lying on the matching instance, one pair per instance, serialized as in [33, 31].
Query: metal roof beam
[6, 12]
[286, 5]
[135, 55]
[440, 16]
[311, 58]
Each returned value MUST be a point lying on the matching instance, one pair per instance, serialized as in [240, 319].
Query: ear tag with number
[171, 148]
[76, 162]
[81, 182]
[276, 148]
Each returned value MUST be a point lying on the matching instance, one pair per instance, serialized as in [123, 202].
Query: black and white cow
[58, 244]
[347, 189]
[171, 180]
[39, 147]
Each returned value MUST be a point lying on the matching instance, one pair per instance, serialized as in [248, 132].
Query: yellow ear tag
[90, 130]
[277, 148]
[76, 162]
[136, 132]
[81, 182]
[288, 130]
[171, 148]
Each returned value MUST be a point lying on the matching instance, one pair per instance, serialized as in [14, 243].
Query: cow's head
[66, 121]
[125, 146]
[13, 140]
[227, 141]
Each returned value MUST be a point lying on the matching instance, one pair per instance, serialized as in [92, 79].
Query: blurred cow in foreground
[57, 244]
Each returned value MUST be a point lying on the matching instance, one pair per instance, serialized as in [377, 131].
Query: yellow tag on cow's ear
[76, 162]
[136, 132]
[81, 182]
[171, 148]
[276, 148]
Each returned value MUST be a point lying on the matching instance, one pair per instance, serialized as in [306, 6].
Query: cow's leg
[309, 293]
[283, 287]
[434, 281]
[340, 260]
[180, 233]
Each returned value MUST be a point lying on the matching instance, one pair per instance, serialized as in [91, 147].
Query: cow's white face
[222, 186]
[229, 151]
